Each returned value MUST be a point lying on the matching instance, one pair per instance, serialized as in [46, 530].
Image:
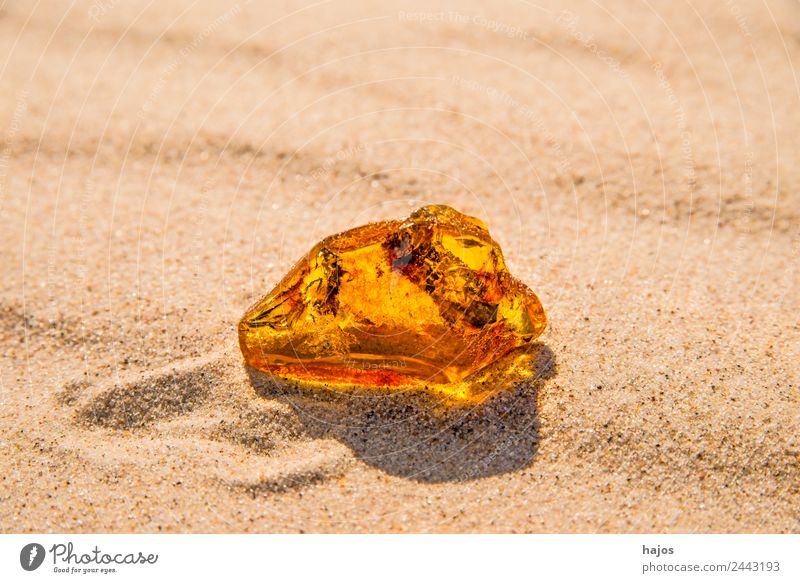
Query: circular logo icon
[31, 556]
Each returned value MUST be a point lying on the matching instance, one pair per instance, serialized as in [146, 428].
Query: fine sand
[163, 164]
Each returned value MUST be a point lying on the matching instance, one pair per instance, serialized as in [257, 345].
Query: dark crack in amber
[425, 301]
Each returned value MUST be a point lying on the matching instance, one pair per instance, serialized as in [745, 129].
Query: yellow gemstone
[423, 301]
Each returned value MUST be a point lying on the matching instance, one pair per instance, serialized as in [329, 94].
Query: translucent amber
[425, 300]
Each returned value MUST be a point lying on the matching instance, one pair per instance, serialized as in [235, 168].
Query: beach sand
[163, 165]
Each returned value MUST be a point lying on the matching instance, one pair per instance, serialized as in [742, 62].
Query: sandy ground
[163, 164]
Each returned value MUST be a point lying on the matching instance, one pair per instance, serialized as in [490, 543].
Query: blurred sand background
[162, 164]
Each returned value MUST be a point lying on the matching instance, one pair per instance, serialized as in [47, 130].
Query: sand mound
[140, 401]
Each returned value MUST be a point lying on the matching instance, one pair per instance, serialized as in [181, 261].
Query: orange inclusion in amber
[423, 300]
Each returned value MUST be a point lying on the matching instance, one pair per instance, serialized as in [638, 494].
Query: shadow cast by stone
[416, 436]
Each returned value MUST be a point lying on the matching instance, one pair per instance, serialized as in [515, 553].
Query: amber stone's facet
[423, 300]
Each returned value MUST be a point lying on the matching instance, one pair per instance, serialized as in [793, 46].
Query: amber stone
[424, 300]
